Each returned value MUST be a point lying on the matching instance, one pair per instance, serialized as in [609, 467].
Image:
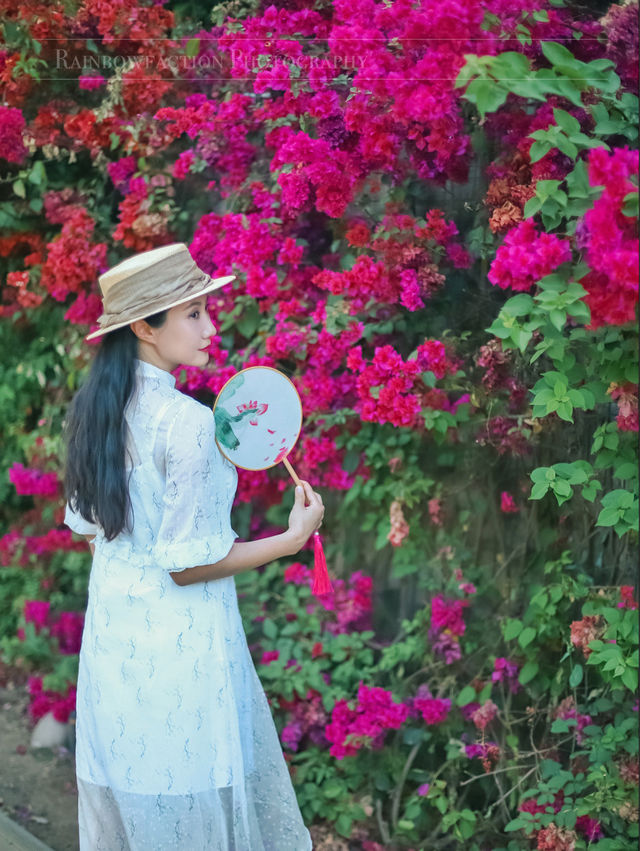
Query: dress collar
[147, 370]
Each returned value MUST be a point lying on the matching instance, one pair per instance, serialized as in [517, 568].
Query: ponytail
[95, 433]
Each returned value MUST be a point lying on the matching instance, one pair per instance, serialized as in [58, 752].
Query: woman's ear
[142, 330]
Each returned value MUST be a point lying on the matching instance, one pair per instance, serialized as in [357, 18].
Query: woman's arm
[303, 520]
[242, 556]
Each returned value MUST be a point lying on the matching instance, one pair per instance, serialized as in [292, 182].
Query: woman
[176, 746]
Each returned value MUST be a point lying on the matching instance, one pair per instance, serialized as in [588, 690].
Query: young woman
[176, 747]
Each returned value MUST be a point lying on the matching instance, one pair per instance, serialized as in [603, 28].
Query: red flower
[507, 504]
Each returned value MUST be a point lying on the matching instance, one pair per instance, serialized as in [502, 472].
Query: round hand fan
[258, 417]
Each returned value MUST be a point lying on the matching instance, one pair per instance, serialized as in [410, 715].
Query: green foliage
[563, 737]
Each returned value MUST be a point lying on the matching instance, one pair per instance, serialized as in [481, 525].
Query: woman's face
[183, 339]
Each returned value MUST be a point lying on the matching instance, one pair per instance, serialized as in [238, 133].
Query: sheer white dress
[176, 746]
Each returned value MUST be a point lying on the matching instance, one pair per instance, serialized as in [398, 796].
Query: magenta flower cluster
[349, 603]
[29, 482]
[42, 701]
[66, 627]
[446, 627]
[611, 239]
[506, 672]
[527, 256]
[12, 147]
[366, 723]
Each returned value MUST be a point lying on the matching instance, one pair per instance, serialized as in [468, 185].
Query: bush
[434, 234]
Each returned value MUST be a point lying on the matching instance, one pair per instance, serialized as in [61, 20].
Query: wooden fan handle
[294, 476]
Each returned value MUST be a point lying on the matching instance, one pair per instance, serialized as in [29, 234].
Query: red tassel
[321, 581]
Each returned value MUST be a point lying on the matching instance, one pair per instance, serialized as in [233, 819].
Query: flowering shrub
[351, 744]
[431, 211]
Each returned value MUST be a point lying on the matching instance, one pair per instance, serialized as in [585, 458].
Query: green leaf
[626, 470]
[576, 675]
[566, 121]
[248, 321]
[19, 188]
[486, 94]
[518, 305]
[589, 492]
[467, 695]
[512, 629]
[539, 490]
[557, 54]
[332, 789]
[630, 679]
[558, 318]
[562, 487]
[532, 207]
[539, 150]
[559, 726]
[192, 47]
[343, 825]
[269, 628]
[608, 517]
[540, 474]
[565, 410]
[528, 672]
[630, 207]
[566, 146]
[526, 636]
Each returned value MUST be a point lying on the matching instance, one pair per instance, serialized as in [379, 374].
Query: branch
[395, 806]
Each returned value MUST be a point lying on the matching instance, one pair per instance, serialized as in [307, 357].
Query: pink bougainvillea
[527, 256]
[399, 526]
[484, 714]
[67, 629]
[30, 482]
[507, 503]
[585, 630]
[627, 600]
[43, 701]
[554, 838]
[306, 718]
[432, 710]
[505, 671]
[611, 239]
[366, 723]
[12, 124]
[446, 614]
[566, 710]
[73, 259]
[626, 397]
[487, 752]
[37, 613]
[446, 626]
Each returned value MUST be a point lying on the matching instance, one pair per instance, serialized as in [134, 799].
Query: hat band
[141, 293]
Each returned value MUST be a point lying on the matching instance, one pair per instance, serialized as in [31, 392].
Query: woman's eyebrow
[193, 304]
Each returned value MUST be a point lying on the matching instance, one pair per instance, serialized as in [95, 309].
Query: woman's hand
[305, 519]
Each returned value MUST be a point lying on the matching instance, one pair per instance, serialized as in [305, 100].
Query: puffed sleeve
[195, 527]
[77, 523]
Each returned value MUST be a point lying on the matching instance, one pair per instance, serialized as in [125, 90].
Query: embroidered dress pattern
[176, 748]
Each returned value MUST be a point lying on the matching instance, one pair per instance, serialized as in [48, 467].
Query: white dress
[176, 746]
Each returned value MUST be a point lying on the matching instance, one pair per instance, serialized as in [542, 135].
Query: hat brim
[215, 284]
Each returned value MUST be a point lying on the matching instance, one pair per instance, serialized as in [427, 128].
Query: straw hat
[150, 282]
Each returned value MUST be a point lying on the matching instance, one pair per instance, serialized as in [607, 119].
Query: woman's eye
[195, 314]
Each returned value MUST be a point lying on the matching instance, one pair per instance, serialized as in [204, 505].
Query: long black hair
[95, 433]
